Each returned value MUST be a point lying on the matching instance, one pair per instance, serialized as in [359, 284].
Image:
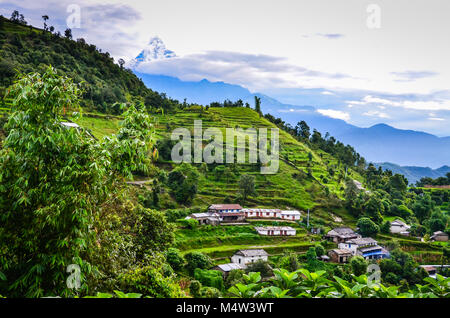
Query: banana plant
[246, 291]
[312, 283]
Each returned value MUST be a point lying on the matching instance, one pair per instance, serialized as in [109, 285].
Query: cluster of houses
[400, 227]
[234, 213]
[351, 244]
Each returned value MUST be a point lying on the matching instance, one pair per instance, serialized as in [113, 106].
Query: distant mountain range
[414, 174]
[379, 143]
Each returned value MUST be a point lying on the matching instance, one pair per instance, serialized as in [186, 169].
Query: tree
[154, 233]
[196, 260]
[15, 16]
[423, 206]
[258, 105]
[367, 227]
[51, 184]
[260, 266]
[68, 33]
[358, 265]
[45, 18]
[131, 146]
[385, 227]
[194, 288]
[234, 277]
[121, 63]
[174, 258]
[183, 182]
[303, 129]
[312, 263]
[373, 208]
[247, 186]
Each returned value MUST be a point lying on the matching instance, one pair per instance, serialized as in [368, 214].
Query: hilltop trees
[258, 105]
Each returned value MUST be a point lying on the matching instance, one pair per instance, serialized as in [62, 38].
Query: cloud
[334, 114]
[376, 113]
[330, 35]
[412, 103]
[254, 70]
[409, 76]
[436, 118]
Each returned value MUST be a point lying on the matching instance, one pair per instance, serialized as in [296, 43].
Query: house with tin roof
[245, 257]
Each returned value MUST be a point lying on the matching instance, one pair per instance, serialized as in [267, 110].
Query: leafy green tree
[174, 258]
[289, 262]
[131, 147]
[183, 181]
[154, 233]
[367, 227]
[423, 207]
[320, 250]
[385, 227]
[196, 260]
[234, 277]
[374, 208]
[258, 105]
[194, 287]
[358, 265]
[247, 186]
[312, 263]
[51, 185]
[261, 267]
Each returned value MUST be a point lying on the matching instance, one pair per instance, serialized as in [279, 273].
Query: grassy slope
[280, 190]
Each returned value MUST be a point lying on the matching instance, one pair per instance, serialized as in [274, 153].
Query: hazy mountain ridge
[414, 174]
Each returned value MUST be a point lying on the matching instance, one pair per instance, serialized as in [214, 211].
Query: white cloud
[436, 118]
[437, 104]
[334, 114]
[250, 70]
[376, 113]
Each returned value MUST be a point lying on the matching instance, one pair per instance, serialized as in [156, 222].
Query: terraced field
[290, 187]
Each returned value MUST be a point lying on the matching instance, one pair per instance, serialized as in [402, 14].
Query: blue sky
[321, 53]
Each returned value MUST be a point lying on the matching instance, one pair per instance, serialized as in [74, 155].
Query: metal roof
[255, 252]
[230, 266]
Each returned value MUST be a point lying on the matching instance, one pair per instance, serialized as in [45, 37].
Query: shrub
[196, 260]
[367, 227]
[260, 266]
[149, 282]
[211, 278]
[210, 292]
[174, 259]
[358, 265]
[194, 288]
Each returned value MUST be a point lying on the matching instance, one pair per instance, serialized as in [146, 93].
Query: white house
[293, 215]
[354, 244]
[262, 213]
[398, 226]
[275, 230]
[245, 257]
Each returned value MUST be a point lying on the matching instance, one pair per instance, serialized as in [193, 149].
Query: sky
[365, 62]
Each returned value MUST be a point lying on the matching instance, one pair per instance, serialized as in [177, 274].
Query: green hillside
[25, 49]
[137, 222]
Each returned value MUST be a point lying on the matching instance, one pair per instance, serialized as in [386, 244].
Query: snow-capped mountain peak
[155, 50]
